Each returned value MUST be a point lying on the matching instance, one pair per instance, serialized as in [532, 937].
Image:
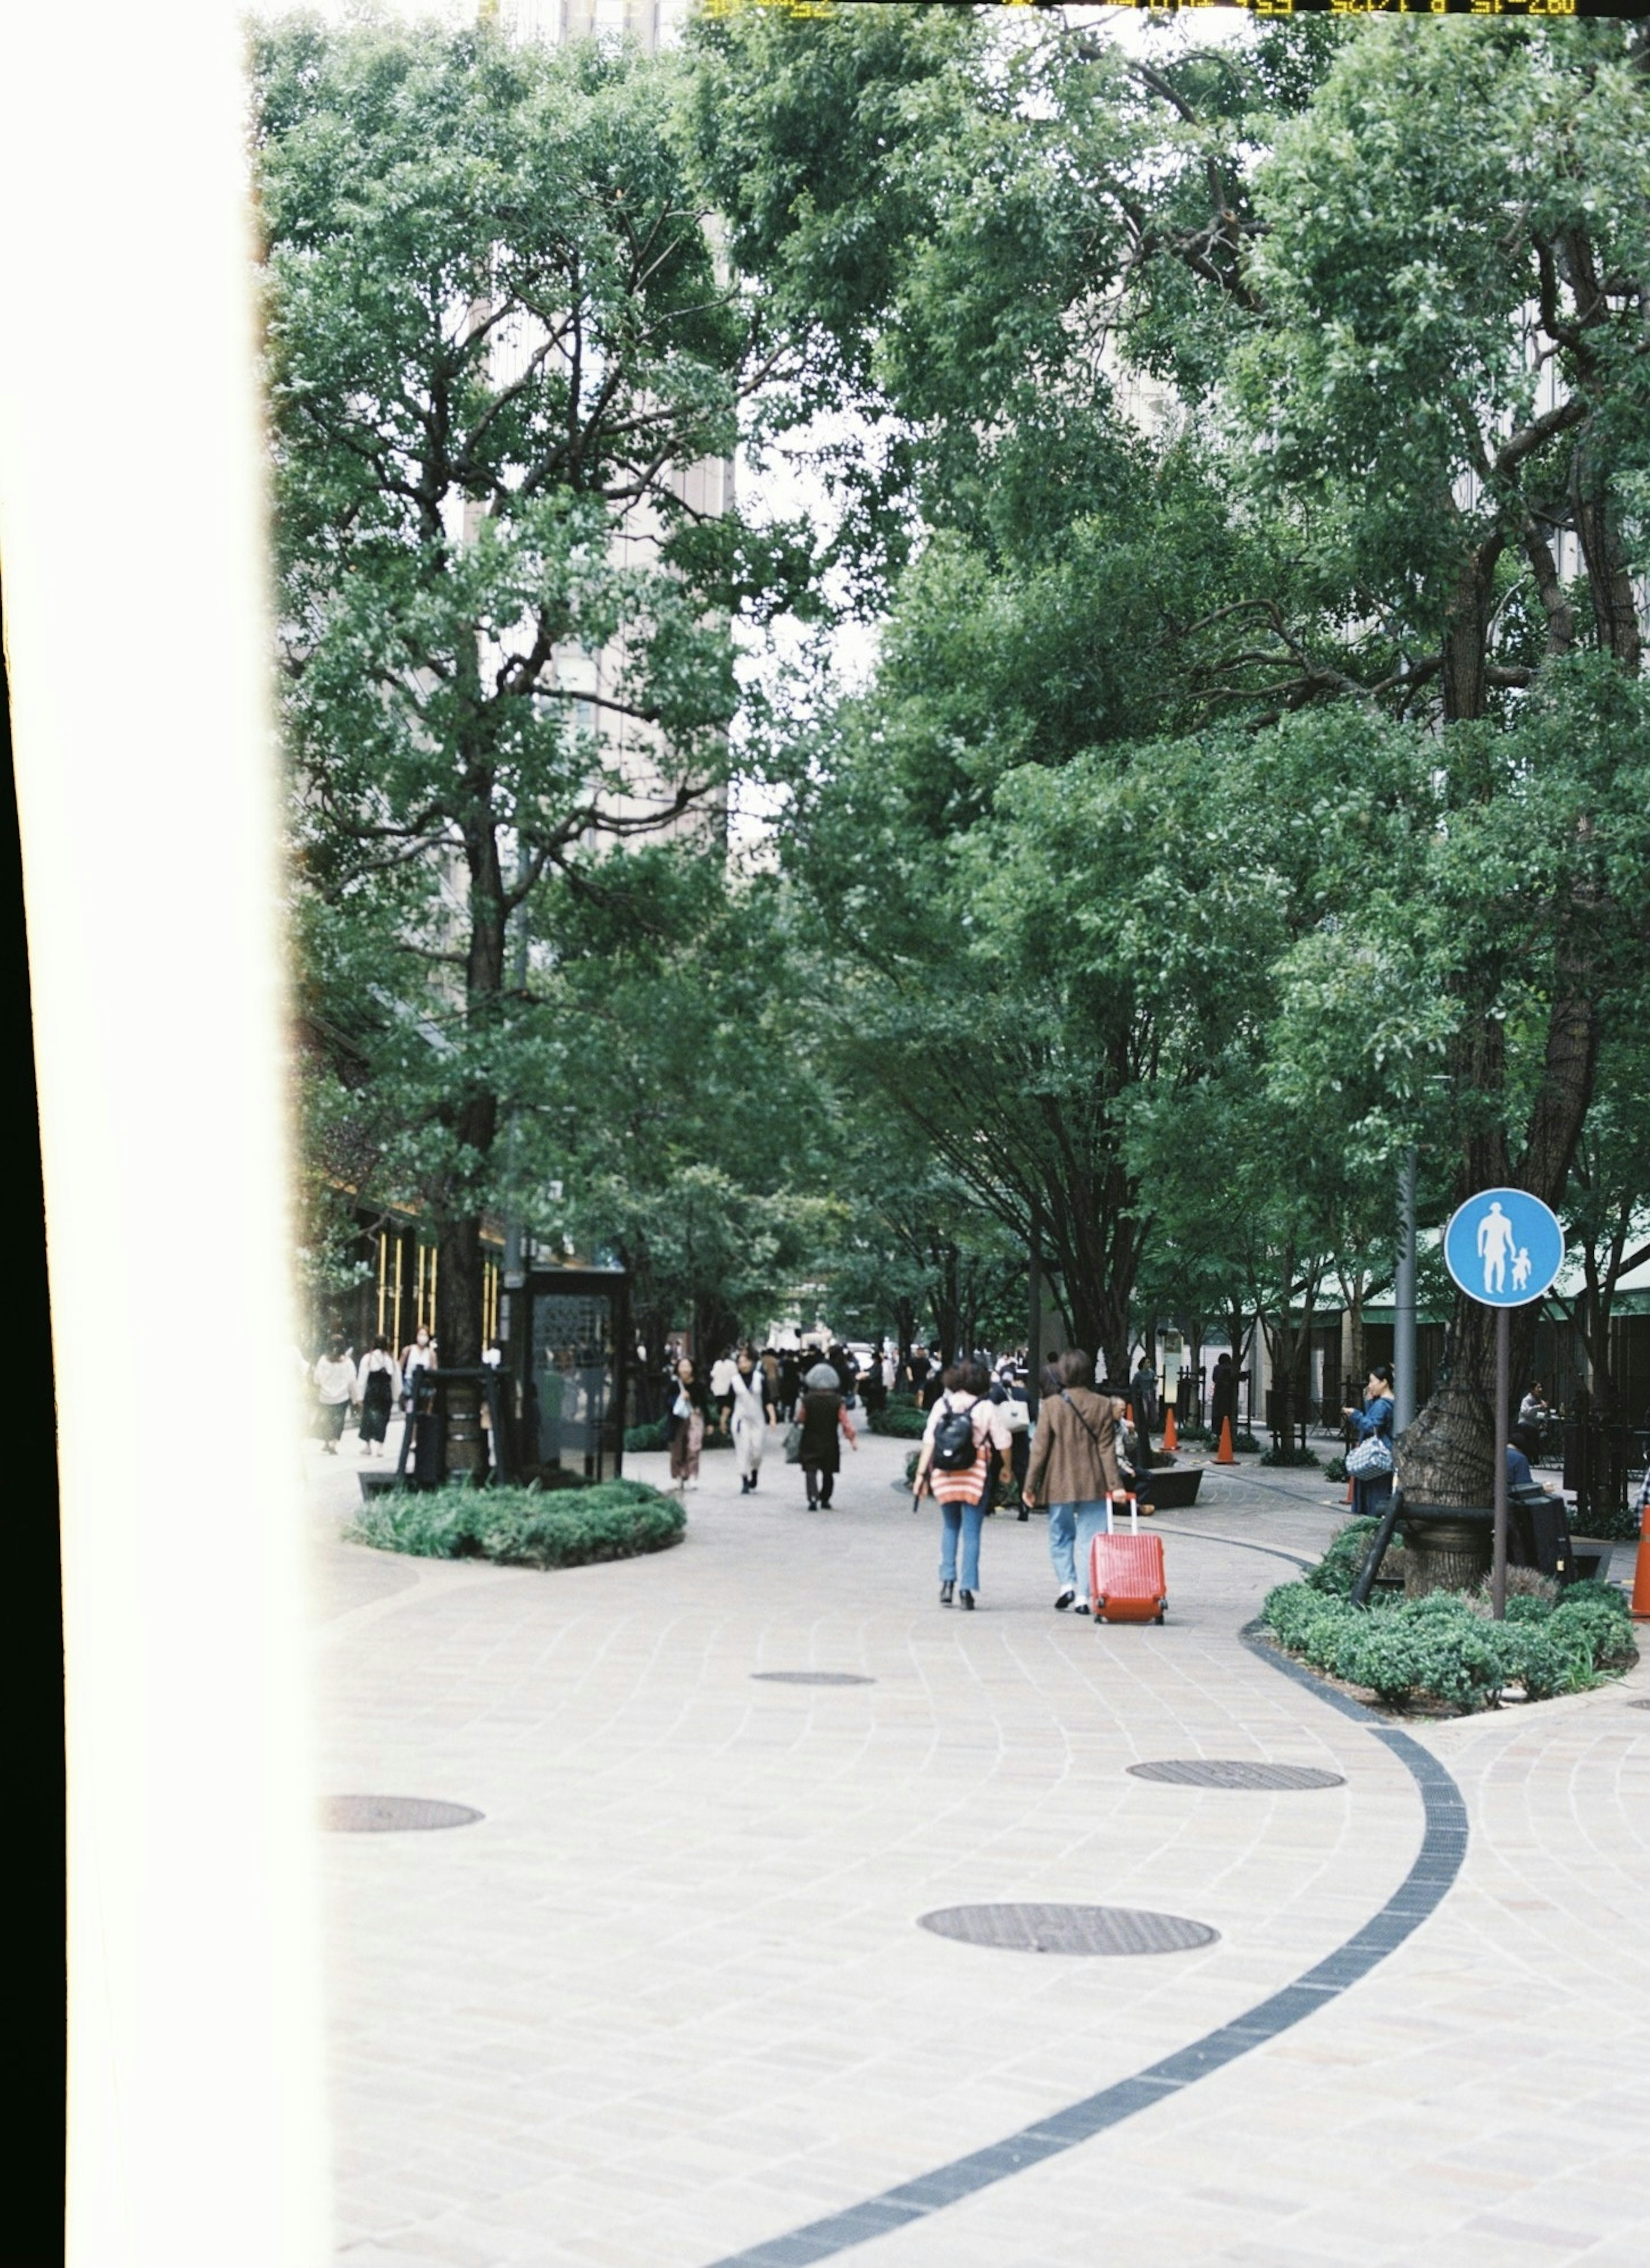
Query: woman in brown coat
[1074, 1470]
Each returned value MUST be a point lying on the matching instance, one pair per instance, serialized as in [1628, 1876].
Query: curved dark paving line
[1238, 1543]
[1423, 1889]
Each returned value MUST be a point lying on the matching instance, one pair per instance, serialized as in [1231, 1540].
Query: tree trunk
[1452, 1559]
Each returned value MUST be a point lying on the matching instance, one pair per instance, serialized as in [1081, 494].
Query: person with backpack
[1073, 1472]
[953, 1465]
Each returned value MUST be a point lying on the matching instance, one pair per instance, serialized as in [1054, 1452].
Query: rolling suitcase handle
[1133, 1502]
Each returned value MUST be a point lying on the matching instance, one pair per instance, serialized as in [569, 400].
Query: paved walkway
[668, 2001]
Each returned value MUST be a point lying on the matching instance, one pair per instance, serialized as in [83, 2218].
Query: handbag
[793, 1444]
[1371, 1458]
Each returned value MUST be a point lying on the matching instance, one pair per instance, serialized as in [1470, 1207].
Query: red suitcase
[1125, 1576]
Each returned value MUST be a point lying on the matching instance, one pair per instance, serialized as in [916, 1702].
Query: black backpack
[955, 1448]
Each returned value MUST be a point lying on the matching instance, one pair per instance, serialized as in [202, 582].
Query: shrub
[1444, 1648]
[1286, 1454]
[1616, 1525]
[523, 1528]
[1335, 1469]
[1244, 1442]
[902, 1420]
[1602, 1616]
[1338, 1570]
[657, 1436]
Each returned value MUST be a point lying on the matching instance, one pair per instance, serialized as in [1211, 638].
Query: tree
[497, 344]
[1404, 287]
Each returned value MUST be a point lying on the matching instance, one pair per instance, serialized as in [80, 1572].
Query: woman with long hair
[962, 1416]
[751, 1411]
[379, 1384]
[689, 1415]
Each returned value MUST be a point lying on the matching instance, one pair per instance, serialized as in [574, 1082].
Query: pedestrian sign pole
[1504, 1248]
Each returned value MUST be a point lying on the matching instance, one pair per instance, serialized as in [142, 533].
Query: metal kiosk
[566, 1335]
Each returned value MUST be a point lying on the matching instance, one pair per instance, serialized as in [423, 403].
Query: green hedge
[902, 1420]
[1444, 1648]
[1285, 1454]
[523, 1528]
[657, 1436]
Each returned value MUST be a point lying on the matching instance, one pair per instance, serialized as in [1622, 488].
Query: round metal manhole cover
[811, 1677]
[1233, 1771]
[1068, 1929]
[387, 1815]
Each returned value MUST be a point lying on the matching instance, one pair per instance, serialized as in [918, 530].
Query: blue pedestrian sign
[1504, 1248]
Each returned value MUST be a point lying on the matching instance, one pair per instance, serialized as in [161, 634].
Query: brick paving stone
[668, 1999]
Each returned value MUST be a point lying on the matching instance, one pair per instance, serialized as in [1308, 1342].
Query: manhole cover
[1068, 1929]
[1223, 1771]
[811, 1677]
[384, 1814]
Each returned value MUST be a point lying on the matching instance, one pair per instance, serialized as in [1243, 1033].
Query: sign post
[1504, 1249]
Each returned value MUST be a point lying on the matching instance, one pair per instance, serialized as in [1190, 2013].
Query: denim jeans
[966, 1519]
[1072, 1528]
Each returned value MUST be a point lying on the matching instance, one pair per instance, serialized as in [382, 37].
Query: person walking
[958, 1488]
[1009, 1393]
[823, 1414]
[722, 1372]
[1073, 1472]
[1372, 1493]
[689, 1414]
[334, 1391]
[751, 1413]
[790, 1377]
[378, 1384]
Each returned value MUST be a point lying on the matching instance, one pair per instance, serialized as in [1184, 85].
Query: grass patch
[523, 1528]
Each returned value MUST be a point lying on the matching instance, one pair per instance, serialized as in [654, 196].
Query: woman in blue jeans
[1073, 1472]
[960, 1495]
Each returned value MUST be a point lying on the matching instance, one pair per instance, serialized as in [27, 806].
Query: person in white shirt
[751, 1413]
[334, 1391]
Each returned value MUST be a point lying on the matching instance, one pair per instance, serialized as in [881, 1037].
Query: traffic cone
[1641, 1573]
[1171, 1437]
[1223, 1455]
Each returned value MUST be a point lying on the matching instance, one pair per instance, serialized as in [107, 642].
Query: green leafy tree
[496, 344]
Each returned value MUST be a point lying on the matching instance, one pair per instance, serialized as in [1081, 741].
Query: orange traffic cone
[1641, 1573]
[1350, 1485]
[1223, 1455]
[1171, 1437]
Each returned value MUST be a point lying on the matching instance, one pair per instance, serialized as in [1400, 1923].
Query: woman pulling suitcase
[1073, 1472]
